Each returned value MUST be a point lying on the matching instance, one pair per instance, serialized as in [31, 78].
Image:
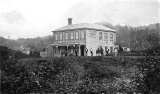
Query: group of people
[100, 51]
[91, 51]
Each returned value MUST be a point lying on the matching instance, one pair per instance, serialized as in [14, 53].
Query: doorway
[82, 50]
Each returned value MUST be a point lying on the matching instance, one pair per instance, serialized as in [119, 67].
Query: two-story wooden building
[83, 36]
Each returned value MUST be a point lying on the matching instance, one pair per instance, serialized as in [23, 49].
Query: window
[56, 36]
[66, 36]
[82, 34]
[100, 36]
[106, 37]
[71, 35]
[77, 35]
[111, 36]
[60, 35]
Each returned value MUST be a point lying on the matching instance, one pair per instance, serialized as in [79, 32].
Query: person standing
[86, 51]
[76, 52]
[106, 51]
[102, 51]
[91, 50]
[116, 51]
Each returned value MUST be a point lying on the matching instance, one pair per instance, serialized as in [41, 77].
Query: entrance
[82, 50]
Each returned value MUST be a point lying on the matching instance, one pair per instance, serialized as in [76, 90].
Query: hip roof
[85, 26]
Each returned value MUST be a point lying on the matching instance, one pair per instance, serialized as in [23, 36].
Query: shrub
[149, 81]
[81, 75]
[4, 53]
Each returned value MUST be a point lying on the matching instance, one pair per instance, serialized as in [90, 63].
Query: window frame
[82, 34]
[76, 35]
[71, 35]
[56, 36]
[61, 36]
[66, 35]
[111, 37]
[101, 36]
[106, 36]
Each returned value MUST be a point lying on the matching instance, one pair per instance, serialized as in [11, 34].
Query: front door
[82, 50]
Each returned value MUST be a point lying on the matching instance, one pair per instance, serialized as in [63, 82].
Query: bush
[130, 53]
[149, 81]
[4, 53]
[154, 51]
[81, 75]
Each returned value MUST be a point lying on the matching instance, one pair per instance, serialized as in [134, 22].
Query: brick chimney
[69, 21]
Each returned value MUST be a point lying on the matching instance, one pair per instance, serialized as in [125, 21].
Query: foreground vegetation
[81, 75]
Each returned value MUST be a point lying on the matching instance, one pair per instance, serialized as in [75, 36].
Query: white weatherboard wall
[92, 41]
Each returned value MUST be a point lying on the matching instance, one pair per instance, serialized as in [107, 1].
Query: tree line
[34, 44]
[136, 38]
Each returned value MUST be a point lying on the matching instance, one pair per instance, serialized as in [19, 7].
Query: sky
[33, 18]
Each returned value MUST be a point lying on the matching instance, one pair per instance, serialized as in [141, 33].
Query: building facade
[79, 38]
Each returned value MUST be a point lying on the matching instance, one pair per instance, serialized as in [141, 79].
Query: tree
[32, 47]
[158, 29]
[2, 41]
[153, 39]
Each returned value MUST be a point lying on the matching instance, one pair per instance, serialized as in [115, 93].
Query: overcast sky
[32, 18]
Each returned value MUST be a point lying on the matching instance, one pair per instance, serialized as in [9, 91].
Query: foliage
[7, 53]
[149, 79]
[132, 53]
[81, 75]
[137, 38]
[35, 44]
[120, 49]
[153, 39]
[4, 53]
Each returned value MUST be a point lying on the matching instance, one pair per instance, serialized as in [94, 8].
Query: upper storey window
[66, 36]
[77, 35]
[82, 34]
[56, 36]
[71, 36]
[106, 36]
[61, 36]
[111, 36]
[100, 36]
